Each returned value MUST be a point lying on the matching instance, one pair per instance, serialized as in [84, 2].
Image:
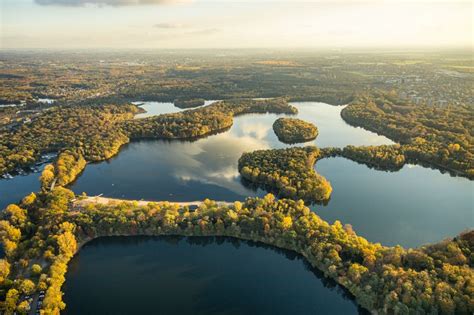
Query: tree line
[44, 231]
[439, 137]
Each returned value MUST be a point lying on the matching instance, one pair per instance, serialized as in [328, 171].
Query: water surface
[158, 108]
[203, 275]
[13, 190]
[411, 207]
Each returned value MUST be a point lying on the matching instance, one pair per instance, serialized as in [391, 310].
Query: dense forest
[294, 130]
[288, 172]
[382, 157]
[327, 76]
[44, 231]
[438, 137]
[93, 129]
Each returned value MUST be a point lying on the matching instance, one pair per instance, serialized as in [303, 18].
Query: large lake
[410, 207]
[171, 275]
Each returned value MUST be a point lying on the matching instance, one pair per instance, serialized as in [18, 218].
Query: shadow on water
[207, 275]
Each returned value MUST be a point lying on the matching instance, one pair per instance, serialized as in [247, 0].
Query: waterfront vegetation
[65, 170]
[294, 130]
[203, 121]
[92, 129]
[189, 103]
[288, 172]
[98, 132]
[383, 157]
[438, 137]
[43, 233]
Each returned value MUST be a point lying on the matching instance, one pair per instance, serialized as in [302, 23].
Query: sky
[189, 24]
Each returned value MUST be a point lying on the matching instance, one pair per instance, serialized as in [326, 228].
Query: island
[294, 130]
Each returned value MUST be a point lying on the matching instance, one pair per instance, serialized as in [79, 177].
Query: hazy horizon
[260, 24]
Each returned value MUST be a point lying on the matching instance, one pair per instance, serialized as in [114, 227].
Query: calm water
[411, 207]
[140, 275]
[157, 108]
[207, 168]
[13, 190]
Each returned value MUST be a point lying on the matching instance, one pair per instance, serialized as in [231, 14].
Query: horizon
[235, 25]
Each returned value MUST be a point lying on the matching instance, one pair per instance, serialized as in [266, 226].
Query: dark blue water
[170, 275]
[13, 190]
[411, 207]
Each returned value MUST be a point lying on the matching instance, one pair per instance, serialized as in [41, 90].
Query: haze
[233, 24]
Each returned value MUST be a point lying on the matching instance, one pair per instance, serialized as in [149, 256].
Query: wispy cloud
[79, 3]
[206, 31]
[169, 26]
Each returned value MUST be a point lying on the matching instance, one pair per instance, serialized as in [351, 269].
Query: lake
[410, 207]
[201, 275]
[158, 108]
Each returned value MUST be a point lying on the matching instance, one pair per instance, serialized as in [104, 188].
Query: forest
[438, 137]
[288, 172]
[93, 129]
[294, 130]
[43, 232]
[382, 157]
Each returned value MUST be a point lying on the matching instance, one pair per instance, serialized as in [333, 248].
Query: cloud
[206, 31]
[177, 30]
[78, 3]
[169, 25]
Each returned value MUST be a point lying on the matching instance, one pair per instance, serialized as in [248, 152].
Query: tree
[4, 270]
[17, 215]
[23, 307]
[11, 300]
[67, 244]
[27, 286]
[29, 200]
[47, 176]
[287, 223]
[36, 269]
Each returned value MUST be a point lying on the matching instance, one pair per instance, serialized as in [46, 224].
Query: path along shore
[82, 202]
